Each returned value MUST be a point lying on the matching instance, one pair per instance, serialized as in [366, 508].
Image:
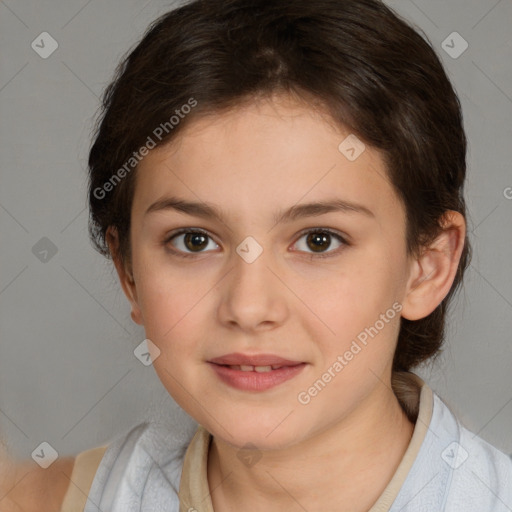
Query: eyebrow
[206, 210]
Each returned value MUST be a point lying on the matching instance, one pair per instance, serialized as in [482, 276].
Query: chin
[266, 434]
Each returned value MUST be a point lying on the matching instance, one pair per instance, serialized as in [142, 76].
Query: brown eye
[189, 242]
[319, 241]
[195, 241]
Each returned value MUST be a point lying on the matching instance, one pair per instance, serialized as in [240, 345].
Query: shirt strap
[82, 476]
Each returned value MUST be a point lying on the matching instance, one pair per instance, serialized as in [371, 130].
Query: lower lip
[255, 381]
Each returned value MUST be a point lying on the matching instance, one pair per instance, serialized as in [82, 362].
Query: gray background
[68, 374]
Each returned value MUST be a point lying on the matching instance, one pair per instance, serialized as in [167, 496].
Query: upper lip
[236, 359]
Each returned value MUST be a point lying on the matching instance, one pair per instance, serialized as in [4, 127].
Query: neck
[329, 471]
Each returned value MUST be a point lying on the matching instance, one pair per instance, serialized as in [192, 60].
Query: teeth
[259, 369]
[276, 366]
[263, 369]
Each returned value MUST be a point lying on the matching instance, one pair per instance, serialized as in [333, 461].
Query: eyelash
[328, 254]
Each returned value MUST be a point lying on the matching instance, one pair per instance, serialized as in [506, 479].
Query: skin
[26, 487]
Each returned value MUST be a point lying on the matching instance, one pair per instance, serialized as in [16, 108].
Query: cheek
[163, 300]
[172, 323]
[349, 305]
[360, 292]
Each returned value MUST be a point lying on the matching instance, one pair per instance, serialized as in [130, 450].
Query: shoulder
[24, 486]
[140, 470]
[455, 469]
[482, 474]
[479, 475]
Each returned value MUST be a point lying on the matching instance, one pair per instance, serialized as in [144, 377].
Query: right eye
[188, 242]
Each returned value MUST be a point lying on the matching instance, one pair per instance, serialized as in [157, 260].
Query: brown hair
[370, 70]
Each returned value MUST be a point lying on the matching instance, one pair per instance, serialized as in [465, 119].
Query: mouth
[255, 373]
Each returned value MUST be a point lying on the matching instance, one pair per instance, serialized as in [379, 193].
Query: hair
[364, 65]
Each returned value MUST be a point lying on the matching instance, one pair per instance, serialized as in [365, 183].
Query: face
[250, 277]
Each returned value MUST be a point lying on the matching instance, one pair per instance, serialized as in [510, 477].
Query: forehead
[277, 151]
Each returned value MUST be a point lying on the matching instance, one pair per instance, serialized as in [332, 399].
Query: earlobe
[136, 315]
[433, 272]
[125, 274]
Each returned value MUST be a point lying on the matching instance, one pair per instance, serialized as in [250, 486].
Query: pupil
[321, 238]
[193, 237]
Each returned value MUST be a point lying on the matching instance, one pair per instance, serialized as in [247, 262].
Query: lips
[257, 360]
[258, 372]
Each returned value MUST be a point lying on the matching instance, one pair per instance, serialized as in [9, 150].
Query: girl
[280, 188]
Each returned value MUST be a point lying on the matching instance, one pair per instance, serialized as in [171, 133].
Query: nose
[253, 296]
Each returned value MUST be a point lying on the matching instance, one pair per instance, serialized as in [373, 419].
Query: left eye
[319, 240]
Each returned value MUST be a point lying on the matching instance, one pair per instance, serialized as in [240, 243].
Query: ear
[433, 272]
[125, 274]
